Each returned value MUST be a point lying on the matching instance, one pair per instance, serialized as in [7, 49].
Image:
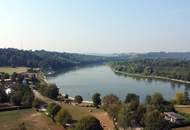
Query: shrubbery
[63, 117]
[53, 109]
[50, 90]
[89, 123]
[78, 99]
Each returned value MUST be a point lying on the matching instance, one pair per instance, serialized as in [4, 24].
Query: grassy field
[78, 112]
[10, 120]
[183, 109]
[11, 70]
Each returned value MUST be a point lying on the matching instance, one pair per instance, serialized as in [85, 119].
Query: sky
[96, 26]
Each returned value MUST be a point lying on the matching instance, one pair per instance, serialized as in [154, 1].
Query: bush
[63, 117]
[96, 99]
[22, 96]
[37, 102]
[89, 123]
[53, 109]
[50, 90]
[16, 98]
[78, 99]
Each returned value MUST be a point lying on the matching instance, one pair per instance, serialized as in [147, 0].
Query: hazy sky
[96, 26]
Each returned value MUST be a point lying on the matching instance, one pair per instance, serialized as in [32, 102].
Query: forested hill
[165, 55]
[45, 59]
[170, 68]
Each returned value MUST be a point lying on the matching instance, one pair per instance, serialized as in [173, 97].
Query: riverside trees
[131, 113]
[89, 123]
[96, 99]
[169, 68]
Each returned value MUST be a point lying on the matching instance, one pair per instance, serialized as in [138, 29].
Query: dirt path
[105, 120]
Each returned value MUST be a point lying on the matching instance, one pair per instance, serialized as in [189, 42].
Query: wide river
[101, 79]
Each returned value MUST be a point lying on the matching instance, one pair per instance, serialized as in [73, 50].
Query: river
[89, 80]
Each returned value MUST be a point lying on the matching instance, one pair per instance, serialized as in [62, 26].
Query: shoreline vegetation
[152, 77]
[162, 69]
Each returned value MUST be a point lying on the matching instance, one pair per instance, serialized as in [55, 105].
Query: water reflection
[85, 81]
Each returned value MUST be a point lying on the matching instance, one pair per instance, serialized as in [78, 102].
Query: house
[174, 117]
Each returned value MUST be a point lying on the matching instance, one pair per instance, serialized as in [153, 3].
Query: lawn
[183, 109]
[10, 120]
[78, 112]
[11, 70]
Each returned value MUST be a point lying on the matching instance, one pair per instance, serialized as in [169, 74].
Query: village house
[174, 117]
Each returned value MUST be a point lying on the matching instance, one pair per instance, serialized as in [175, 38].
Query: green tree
[109, 100]
[16, 98]
[89, 123]
[186, 98]
[131, 97]
[180, 98]
[148, 99]
[63, 117]
[78, 99]
[148, 70]
[154, 120]
[139, 114]
[53, 109]
[158, 101]
[112, 105]
[125, 117]
[96, 99]
[27, 98]
[52, 91]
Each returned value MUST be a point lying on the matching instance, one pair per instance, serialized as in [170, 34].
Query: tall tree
[154, 120]
[126, 117]
[96, 99]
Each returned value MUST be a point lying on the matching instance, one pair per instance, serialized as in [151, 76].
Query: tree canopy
[96, 99]
[89, 123]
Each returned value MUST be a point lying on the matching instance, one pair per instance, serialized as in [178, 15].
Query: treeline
[44, 59]
[170, 68]
[131, 113]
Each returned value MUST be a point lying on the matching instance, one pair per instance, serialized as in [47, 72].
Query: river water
[89, 80]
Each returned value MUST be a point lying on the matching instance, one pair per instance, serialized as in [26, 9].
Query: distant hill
[45, 59]
[58, 60]
[156, 55]
[165, 55]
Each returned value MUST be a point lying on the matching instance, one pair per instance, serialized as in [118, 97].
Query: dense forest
[45, 60]
[170, 68]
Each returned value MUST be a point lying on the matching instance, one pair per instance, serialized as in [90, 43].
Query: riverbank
[152, 77]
